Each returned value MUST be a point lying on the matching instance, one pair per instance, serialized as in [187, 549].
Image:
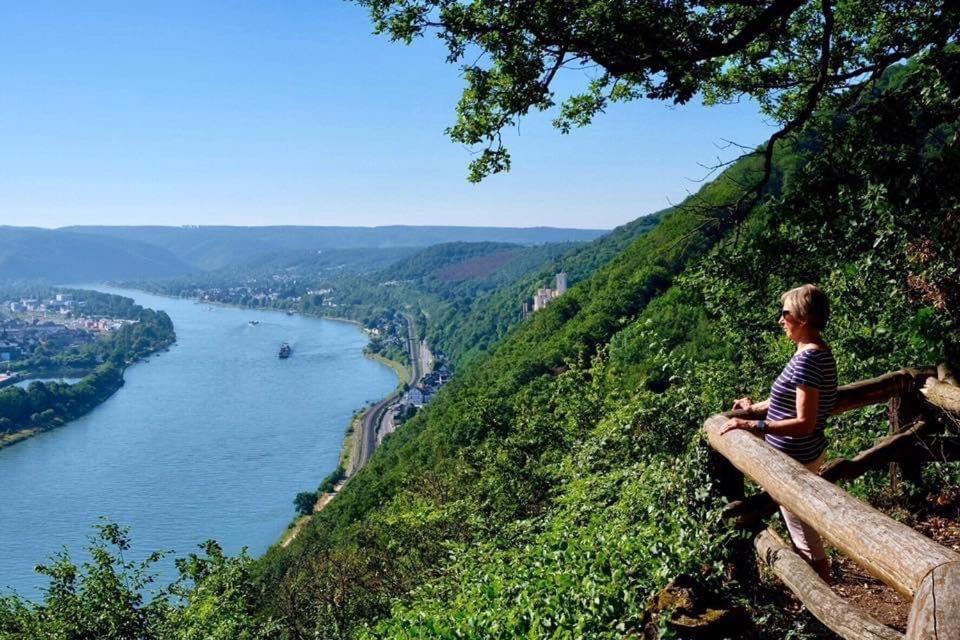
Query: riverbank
[349, 462]
[104, 393]
[8, 439]
[359, 441]
[402, 370]
[62, 404]
[13, 437]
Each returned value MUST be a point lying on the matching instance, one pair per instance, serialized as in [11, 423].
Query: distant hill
[470, 327]
[60, 256]
[209, 248]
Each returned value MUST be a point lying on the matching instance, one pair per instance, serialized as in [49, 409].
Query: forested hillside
[465, 324]
[62, 257]
[559, 482]
[208, 248]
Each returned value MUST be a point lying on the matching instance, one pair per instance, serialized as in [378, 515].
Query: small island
[48, 333]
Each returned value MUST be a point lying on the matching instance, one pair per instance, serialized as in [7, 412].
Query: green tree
[112, 598]
[304, 502]
[788, 55]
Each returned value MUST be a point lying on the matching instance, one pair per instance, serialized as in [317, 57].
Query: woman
[801, 399]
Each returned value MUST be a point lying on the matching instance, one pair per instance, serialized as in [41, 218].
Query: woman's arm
[752, 409]
[759, 409]
[808, 403]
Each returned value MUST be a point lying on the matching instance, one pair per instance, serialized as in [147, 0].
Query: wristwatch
[761, 426]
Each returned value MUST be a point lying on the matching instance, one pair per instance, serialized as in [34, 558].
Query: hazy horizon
[335, 226]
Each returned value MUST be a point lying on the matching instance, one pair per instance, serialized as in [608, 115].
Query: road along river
[212, 439]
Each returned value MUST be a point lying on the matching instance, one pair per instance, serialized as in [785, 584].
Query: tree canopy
[787, 55]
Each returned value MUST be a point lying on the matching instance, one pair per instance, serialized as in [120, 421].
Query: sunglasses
[783, 312]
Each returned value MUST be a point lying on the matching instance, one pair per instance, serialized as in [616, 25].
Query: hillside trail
[324, 500]
[938, 520]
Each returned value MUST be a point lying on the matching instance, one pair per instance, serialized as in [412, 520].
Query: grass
[402, 370]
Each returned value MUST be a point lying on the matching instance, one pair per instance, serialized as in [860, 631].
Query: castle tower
[561, 283]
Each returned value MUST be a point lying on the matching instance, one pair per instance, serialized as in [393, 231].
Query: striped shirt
[814, 368]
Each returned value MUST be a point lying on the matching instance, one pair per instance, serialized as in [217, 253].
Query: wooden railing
[920, 401]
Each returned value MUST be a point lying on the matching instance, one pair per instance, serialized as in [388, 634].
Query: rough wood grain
[876, 390]
[843, 618]
[935, 614]
[893, 552]
[750, 512]
[942, 395]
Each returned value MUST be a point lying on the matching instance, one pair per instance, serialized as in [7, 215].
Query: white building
[545, 296]
[561, 283]
[541, 298]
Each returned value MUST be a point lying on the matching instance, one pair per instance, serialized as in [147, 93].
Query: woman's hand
[738, 423]
[742, 403]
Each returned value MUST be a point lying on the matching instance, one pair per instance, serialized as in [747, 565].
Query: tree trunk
[903, 411]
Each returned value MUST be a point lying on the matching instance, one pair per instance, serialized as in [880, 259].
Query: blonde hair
[808, 304]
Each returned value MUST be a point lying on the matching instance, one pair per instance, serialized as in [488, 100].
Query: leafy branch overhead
[787, 55]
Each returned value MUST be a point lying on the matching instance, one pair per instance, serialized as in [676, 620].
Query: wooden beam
[750, 512]
[944, 374]
[844, 619]
[935, 614]
[942, 395]
[877, 390]
[866, 392]
[891, 551]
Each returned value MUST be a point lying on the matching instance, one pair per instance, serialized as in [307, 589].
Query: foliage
[490, 456]
[569, 455]
[331, 480]
[108, 598]
[304, 502]
[560, 479]
[784, 54]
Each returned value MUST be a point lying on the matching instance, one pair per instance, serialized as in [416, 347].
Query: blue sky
[253, 113]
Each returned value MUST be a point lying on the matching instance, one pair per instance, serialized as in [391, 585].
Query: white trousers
[805, 538]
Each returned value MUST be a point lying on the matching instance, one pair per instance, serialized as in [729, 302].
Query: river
[211, 439]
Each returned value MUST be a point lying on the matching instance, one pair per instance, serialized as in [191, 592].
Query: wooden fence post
[936, 605]
[903, 411]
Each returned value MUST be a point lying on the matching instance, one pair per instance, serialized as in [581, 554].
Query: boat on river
[285, 350]
[253, 323]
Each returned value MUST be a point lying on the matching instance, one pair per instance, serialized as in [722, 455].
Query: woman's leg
[807, 541]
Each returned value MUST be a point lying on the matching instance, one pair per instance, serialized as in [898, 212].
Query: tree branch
[751, 197]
